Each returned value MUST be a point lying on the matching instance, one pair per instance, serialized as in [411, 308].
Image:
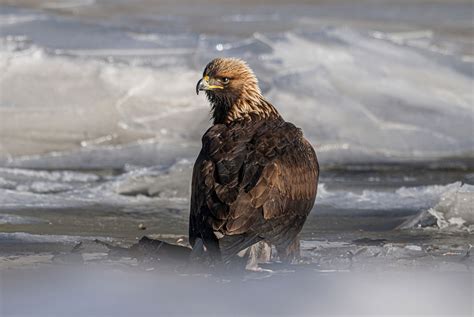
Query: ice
[137, 185]
[17, 220]
[42, 188]
[116, 94]
[449, 207]
[122, 104]
[165, 183]
[57, 176]
[148, 152]
[455, 209]
[23, 237]
[43, 182]
[360, 94]
[100, 126]
[68, 4]
[368, 98]
[7, 19]
[412, 198]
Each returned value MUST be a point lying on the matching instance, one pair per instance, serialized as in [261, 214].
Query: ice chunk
[455, 209]
[172, 182]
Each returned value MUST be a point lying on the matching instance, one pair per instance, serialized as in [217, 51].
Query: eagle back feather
[255, 179]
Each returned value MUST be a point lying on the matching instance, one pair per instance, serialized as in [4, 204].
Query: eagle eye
[225, 80]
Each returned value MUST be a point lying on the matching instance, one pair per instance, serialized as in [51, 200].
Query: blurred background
[100, 123]
[368, 81]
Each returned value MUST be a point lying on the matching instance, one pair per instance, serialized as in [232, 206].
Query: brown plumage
[256, 176]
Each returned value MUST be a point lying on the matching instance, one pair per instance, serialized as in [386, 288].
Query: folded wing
[252, 184]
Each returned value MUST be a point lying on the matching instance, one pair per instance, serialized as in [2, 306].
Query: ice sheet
[360, 94]
[451, 203]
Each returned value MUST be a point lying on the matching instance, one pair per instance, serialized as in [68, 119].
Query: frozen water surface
[380, 92]
[100, 125]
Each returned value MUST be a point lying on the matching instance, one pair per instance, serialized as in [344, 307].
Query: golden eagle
[256, 175]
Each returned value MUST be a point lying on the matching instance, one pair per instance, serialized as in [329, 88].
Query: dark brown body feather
[254, 179]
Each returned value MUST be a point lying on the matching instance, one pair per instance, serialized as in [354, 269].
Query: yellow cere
[206, 79]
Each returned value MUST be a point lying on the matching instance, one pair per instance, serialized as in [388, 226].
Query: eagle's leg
[197, 251]
[289, 253]
[260, 252]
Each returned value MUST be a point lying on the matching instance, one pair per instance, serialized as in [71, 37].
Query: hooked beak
[201, 85]
[204, 84]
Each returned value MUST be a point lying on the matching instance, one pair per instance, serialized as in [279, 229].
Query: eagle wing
[252, 184]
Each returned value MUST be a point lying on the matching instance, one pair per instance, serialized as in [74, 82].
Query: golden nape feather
[256, 176]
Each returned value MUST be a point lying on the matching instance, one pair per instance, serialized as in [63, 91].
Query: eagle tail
[231, 245]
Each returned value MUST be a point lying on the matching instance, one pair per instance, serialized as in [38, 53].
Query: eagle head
[232, 89]
[229, 77]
